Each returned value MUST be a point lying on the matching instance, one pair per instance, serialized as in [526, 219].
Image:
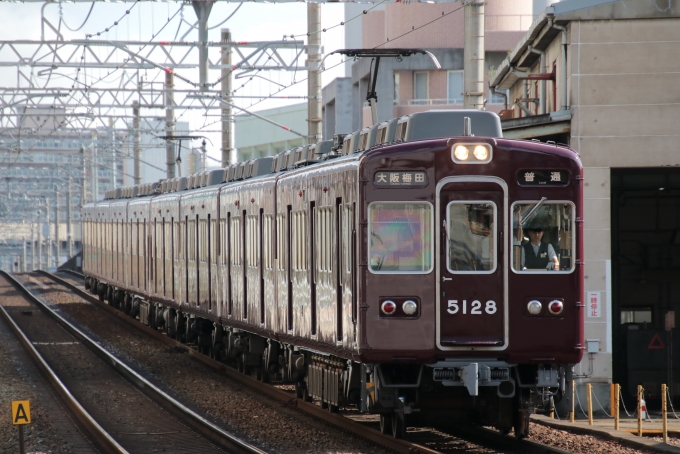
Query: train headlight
[409, 307]
[461, 153]
[534, 307]
[481, 153]
[472, 153]
[556, 307]
[388, 307]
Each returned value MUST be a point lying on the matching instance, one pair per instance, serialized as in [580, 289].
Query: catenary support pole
[95, 170]
[83, 187]
[57, 239]
[169, 125]
[69, 220]
[136, 139]
[32, 246]
[473, 51]
[202, 9]
[314, 119]
[227, 112]
[48, 239]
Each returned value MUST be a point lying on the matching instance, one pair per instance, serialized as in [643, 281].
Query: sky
[252, 22]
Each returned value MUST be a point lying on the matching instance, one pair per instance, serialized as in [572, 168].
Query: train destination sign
[385, 179]
[543, 177]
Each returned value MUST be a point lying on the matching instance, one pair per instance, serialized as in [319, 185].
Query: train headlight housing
[534, 307]
[388, 307]
[555, 307]
[409, 307]
[461, 153]
[472, 153]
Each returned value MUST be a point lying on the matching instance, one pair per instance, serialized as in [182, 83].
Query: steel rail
[93, 429]
[185, 414]
[290, 401]
[482, 436]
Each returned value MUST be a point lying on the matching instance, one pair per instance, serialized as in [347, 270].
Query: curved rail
[167, 402]
[93, 428]
[481, 436]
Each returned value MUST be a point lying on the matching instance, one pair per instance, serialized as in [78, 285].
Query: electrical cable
[81, 25]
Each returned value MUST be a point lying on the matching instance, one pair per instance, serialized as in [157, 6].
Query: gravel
[586, 444]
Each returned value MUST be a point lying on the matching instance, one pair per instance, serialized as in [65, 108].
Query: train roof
[417, 126]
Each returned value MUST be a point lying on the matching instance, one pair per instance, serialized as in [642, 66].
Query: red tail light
[556, 307]
[388, 307]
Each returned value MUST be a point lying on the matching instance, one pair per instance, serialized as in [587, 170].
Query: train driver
[537, 254]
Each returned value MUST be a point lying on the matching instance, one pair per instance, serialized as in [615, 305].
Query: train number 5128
[474, 309]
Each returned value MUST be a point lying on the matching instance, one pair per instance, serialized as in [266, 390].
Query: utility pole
[112, 141]
[473, 67]
[48, 240]
[202, 9]
[69, 222]
[136, 139]
[314, 120]
[227, 119]
[95, 177]
[57, 243]
[83, 189]
[23, 256]
[39, 237]
[169, 125]
[32, 246]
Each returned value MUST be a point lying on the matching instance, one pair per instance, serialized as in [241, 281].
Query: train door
[472, 269]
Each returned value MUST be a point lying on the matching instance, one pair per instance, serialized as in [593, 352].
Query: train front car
[472, 284]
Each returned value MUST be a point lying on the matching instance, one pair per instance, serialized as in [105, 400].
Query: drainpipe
[563, 85]
[543, 71]
[505, 96]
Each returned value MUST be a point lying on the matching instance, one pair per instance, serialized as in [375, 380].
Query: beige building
[414, 84]
[600, 76]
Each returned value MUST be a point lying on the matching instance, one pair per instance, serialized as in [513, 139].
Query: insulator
[500, 374]
[444, 374]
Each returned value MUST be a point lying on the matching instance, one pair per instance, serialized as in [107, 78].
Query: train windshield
[471, 228]
[400, 237]
[543, 236]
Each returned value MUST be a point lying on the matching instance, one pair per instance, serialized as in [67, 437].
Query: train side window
[223, 241]
[347, 220]
[543, 238]
[191, 240]
[236, 241]
[280, 245]
[400, 237]
[268, 244]
[471, 234]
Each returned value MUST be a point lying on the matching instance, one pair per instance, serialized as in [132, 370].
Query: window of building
[454, 87]
[420, 82]
[396, 88]
[636, 315]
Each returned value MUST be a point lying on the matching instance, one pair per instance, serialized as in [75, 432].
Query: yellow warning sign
[21, 412]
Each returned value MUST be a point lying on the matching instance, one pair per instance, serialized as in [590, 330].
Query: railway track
[118, 408]
[426, 440]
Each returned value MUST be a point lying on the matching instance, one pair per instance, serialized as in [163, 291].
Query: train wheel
[386, 423]
[324, 405]
[398, 426]
[333, 408]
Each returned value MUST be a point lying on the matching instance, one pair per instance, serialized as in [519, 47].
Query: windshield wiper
[532, 212]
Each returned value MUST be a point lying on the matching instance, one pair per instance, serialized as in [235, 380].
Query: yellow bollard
[639, 410]
[664, 421]
[573, 404]
[617, 404]
[589, 392]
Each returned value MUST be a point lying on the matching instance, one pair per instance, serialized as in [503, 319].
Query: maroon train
[394, 271]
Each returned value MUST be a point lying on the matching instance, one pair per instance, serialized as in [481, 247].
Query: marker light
[534, 307]
[556, 307]
[481, 153]
[388, 307]
[461, 152]
[409, 307]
